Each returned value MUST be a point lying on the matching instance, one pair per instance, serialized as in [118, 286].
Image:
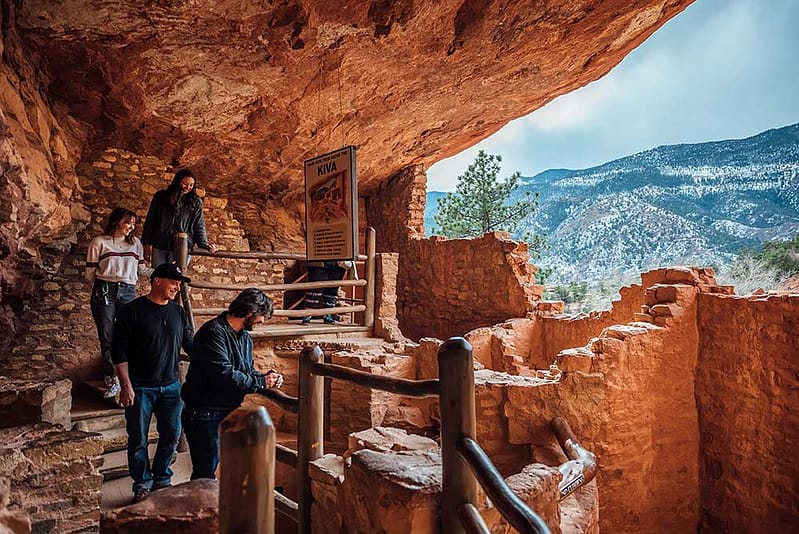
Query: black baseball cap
[170, 271]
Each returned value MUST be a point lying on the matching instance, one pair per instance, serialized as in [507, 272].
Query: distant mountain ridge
[699, 203]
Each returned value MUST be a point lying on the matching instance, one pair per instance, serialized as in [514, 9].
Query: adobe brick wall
[747, 380]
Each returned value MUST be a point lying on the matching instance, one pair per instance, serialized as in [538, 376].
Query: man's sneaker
[328, 319]
[157, 486]
[112, 383]
[140, 495]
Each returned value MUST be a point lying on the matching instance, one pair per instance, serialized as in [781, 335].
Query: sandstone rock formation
[244, 93]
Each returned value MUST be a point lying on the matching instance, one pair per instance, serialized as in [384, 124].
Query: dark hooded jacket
[167, 217]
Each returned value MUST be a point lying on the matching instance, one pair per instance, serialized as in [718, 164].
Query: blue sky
[721, 69]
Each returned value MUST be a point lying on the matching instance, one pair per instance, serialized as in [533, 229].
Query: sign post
[331, 206]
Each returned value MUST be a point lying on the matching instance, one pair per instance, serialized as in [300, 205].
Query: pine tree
[481, 203]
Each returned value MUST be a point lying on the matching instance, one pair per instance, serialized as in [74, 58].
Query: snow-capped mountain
[698, 203]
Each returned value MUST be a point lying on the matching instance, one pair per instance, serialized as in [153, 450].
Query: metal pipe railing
[581, 467]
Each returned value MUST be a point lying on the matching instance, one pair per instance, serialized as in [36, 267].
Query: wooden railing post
[310, 439]
[456, 374]
[371, 285]
[181, 247]
[247, 472]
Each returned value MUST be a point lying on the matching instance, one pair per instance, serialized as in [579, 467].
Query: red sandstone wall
[555, 333]
[747, 381]
[57, 336]
[447, 287]
[38, 186]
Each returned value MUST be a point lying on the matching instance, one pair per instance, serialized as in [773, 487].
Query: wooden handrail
[400, 386]
[581, 467]
[285, 506]
[285, 401]
[314, 312]
[310, 440]
[371, 276]
[247, 472]
[181, 246]
[512, 508]
[286, 456]
[255, 255]
[471, 519]
[279, 287]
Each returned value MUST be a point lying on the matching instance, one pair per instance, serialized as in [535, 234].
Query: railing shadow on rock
[366, 305]
[464, 463]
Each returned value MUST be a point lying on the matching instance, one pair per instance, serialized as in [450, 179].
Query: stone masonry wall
[57, 336]
[747, 380]
[54, 476]
[448, 287]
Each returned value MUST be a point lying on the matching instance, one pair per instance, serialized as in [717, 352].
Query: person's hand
[273, 379]
[126, 396]
[212, 249]
[148, 253]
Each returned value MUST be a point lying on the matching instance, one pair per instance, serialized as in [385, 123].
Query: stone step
[101, 423]
[115, 464]
[116, 439]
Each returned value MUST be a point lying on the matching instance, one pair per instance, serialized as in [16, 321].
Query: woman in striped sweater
[114, 262]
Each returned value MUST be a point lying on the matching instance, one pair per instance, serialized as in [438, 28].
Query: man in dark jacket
[145, 348]
[175, 209]
[220, 374]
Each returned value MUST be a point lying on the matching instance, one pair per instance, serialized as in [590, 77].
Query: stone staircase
[92, 413]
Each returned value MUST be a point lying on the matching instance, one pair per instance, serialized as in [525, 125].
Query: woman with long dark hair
[173, 210]
[114, 262]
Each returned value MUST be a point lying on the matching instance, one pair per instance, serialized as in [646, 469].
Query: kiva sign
[331, 206]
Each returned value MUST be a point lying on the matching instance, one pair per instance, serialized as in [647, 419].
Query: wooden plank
[279, 287]
[303, 312]
[296, 330]
[255, 255]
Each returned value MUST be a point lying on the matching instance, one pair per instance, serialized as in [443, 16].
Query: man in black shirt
[220, 374]
[145, 348]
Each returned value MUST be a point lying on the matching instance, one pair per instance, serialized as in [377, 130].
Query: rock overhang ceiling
[244, 92]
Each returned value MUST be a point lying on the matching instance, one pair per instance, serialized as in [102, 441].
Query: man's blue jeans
[202, 433]
[164, 402]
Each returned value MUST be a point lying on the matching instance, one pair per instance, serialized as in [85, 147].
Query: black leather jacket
[165, 219]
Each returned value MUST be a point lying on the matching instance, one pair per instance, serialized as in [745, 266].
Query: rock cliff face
[247, 91]
[244, 92]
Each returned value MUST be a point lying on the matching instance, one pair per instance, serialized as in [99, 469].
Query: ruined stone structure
[684, 391]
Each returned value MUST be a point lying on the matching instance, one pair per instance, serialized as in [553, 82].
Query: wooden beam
[247, 472]
[400, 386]
[310, 439]
[279, 287]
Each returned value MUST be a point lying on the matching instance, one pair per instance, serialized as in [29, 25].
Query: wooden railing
[464, 462]
[365, 306]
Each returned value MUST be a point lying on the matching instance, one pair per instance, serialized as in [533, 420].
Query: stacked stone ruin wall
[56, 335]
[747, 381]
[448, 287]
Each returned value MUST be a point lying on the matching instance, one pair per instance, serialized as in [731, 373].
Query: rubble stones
[54, 476]
[188, 508]
[29, 402]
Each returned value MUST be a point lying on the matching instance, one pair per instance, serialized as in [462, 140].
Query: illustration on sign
[331, 213]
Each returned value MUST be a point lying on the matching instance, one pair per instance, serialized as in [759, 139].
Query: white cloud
[722, 69]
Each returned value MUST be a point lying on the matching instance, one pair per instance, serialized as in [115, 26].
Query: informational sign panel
[331, 206]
